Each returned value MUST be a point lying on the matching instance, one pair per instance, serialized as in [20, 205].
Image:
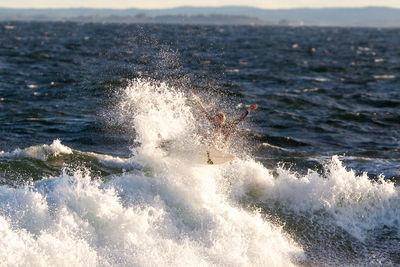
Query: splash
[171, 212]
[71, 220]
[166, 211]
[340, 199]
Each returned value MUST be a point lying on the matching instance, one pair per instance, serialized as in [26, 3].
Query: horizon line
[223, 6]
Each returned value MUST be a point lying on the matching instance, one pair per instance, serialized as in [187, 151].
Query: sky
[158, 4]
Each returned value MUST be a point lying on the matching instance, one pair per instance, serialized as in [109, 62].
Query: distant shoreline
[229, 15]
[166, 19]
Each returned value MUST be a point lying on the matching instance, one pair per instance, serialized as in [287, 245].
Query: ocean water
[84, 108]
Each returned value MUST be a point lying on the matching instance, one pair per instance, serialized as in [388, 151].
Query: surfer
[221, 128]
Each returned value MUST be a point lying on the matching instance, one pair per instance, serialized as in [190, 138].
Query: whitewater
[159, 210]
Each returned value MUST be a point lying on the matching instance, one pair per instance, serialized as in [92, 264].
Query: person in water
[222, 129]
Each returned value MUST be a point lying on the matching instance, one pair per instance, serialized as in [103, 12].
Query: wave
[355, 203]
[167, 211]
[41, 152]
[70, 220]
[347, 201]
[45, 152]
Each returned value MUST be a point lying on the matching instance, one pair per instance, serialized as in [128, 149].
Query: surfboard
[199, 154]
[210, 155]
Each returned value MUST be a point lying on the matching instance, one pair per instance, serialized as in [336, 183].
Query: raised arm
[197, 100]
[237, 121]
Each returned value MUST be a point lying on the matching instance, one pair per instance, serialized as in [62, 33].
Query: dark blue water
[321, 92]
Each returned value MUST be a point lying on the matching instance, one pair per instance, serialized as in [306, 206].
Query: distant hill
[356, 17]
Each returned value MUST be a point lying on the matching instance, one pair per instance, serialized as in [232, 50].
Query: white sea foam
[354, 203]
[115, 162]
[132, 219]
[41, 152]
[173, 212]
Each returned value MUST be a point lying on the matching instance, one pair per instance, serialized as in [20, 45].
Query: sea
[85, 181]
